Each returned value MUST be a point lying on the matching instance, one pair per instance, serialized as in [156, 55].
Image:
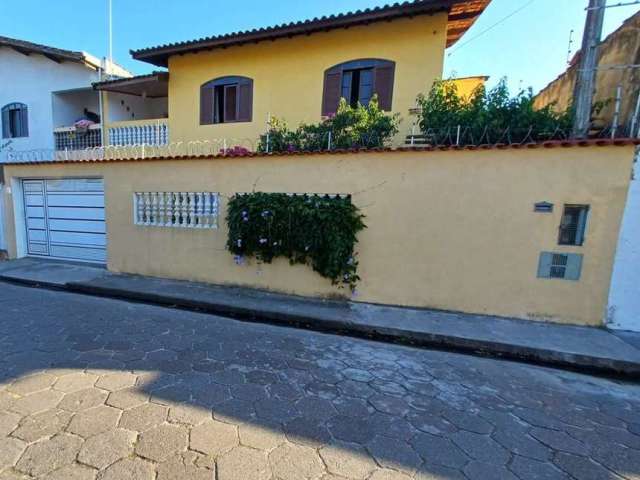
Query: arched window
[15, 120]
[226, 100]
[357, 81]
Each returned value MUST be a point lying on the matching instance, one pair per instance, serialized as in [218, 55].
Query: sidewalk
[586, 349]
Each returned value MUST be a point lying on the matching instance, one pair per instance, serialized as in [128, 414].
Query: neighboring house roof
[480, 78]
[152, 85]
[462, 14]
[60, 55]
[57, 55]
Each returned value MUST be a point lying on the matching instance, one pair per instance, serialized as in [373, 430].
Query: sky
[524, 40]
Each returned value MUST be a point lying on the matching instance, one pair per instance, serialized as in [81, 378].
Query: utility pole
[110, 31]
[585, 82]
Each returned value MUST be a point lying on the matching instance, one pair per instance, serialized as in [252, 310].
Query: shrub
[360, 127]
[320, 231]
[489, 116]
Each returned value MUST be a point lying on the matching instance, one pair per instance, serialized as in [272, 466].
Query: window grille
[573, 225]
[78, 139]
[558, 265]
[176, 209]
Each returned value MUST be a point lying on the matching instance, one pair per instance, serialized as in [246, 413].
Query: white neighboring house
[43, 92]
[624, 297]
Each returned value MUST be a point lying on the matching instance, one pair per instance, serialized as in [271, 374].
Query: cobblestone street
[99, 388]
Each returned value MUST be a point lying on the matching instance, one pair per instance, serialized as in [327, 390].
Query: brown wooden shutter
[6, 132]
[383, 83]
[331, 91]
[206, 104]
[245, 108]
[24, 121]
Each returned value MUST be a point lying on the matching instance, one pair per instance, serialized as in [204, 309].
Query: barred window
[573, 225]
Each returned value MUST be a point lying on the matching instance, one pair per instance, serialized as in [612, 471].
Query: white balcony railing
[151, 132]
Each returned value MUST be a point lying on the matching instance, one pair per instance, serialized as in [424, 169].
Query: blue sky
[530, 48]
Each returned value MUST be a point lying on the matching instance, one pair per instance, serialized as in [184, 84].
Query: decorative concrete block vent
[176, 209]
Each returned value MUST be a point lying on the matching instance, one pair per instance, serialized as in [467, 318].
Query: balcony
[74, 138]
[76, 119]
[135, 110]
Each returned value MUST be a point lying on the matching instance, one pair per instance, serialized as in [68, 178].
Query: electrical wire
[515, 12]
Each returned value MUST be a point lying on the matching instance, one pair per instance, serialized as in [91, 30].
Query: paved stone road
[97, 388]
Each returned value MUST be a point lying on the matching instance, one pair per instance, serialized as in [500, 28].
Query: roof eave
[159, 55]
[140, 81]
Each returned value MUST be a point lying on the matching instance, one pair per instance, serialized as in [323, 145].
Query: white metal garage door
[65, 218]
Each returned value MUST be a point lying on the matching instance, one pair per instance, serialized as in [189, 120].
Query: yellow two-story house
[225, 88]
[523, 230]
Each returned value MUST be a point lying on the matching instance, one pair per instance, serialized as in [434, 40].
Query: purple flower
[239, 259]
[239, 242]
[262, 241]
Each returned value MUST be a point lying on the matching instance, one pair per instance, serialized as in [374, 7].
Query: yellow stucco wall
[288, 74]
[450, 230]
[467, 85]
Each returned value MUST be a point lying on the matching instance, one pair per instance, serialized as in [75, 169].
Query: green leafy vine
[315, 230]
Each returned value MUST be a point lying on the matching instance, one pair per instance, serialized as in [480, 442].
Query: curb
[537, 356]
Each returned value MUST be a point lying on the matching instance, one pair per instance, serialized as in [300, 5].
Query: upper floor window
[15, 120]
[226, 100]
[357, 81]
[573, 225]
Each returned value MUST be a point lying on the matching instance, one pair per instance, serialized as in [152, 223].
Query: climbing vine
[320, 231]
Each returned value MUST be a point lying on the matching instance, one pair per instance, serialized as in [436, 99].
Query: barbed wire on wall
[194, 148]
[431, 137]
[470, 136]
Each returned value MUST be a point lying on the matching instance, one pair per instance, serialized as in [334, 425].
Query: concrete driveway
[98, 388]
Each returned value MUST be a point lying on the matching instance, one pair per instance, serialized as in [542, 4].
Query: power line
[515, 12]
